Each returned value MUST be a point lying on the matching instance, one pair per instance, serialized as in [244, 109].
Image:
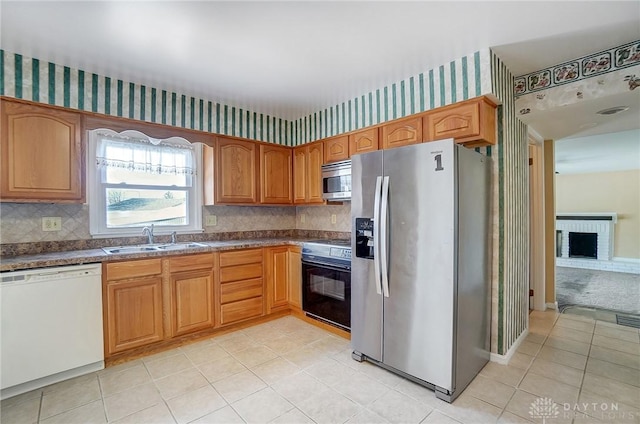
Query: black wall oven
[326, 281]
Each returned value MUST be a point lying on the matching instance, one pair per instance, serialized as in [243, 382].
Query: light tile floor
[287, 371]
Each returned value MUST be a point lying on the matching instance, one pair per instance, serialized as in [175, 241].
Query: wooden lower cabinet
[148, 301]
[295, 276]
[133, 313]
[241, 285]
[277, 276]
[283, 277]
[192, 305]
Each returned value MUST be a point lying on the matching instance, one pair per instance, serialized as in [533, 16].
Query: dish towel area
[51, 326]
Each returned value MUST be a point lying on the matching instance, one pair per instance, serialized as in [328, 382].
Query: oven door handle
[334, 267]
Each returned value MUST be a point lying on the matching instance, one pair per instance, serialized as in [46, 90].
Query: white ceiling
[293, 58]
[289, 59]
[618, 151]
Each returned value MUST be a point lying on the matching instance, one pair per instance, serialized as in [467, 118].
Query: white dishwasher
[51, 326]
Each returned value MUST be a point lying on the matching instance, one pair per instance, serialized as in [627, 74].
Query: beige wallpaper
[617, 192]
[22, 223]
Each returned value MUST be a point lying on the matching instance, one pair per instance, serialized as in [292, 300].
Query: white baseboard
[504, 359]
[553, 306]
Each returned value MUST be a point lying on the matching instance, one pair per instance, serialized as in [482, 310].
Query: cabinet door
[134, 313]
[191, 301]
[300, 174]
[236, 169]
[295, 277]
[314, 173]
[275, 184]
[402, 133]
[277, 271]
[472, 122]
[336, 148]
[42, 154]
[363, 141]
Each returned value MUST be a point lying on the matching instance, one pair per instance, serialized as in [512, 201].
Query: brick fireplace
[585, 240]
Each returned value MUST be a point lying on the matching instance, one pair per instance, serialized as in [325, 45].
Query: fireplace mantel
[596, 216]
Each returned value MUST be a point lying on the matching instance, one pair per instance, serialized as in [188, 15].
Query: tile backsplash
[22, 223]
[319, 217]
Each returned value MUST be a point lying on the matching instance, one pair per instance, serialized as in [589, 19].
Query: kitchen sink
[151, 248]
[178, 246]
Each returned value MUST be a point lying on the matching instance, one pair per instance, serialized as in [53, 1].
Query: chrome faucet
[148, 231]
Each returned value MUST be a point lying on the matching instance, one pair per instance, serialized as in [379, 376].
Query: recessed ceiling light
[613, 110]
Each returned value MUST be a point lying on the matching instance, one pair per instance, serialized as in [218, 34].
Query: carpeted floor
[616, 291]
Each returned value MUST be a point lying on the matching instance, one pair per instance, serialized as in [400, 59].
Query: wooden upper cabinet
[401, 133]
[336, 149]
[471, 122]
[314, 174]
[300, 155]
[236, 171]
[276, 173]
[42, 154]
[363, 141]
[307, 173]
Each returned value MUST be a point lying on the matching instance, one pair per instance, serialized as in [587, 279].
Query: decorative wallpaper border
[461, 79]
[574, 70]
[28, 78]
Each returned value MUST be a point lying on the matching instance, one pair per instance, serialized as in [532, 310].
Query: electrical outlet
[51, 223]
[333, 218]
[212, 221]
[303, 218]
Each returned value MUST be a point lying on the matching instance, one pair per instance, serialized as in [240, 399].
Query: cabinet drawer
[240, 290]
[240, 272]
[243, 309]
[190, 262]
[133, 269]
[240, 257]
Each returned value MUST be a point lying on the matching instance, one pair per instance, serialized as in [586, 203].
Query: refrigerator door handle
[384, 259]
[376, 235]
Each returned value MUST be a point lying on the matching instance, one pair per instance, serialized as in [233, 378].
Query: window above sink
[136, 181]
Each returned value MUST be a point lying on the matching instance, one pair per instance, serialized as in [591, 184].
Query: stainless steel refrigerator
[420, 273]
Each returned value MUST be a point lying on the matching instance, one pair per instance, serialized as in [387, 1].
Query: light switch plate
[333, 218]
[211, 221]
[303, 218]
[51, 223]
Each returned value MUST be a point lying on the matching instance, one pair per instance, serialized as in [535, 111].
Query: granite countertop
[76, 257]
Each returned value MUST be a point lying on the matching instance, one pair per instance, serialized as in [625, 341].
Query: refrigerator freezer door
[366, 303]
[418, 314]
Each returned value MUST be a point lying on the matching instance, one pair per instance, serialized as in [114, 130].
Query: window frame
[97, 198]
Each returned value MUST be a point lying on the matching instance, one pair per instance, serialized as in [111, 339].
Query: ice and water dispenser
[364, 238]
